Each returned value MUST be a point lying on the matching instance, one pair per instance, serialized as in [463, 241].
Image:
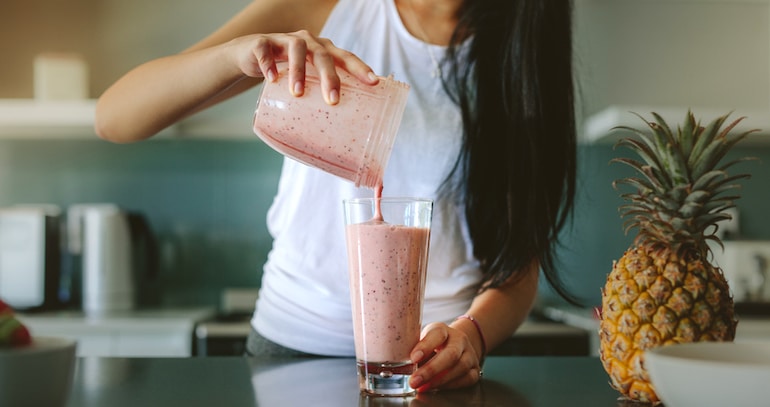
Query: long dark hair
[516, 171]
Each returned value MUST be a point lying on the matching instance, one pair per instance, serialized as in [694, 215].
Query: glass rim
[388, 199]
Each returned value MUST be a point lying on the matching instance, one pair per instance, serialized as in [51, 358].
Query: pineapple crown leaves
[680, 190]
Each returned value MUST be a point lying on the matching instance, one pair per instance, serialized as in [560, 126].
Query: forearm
[500, 311]
[160, 92]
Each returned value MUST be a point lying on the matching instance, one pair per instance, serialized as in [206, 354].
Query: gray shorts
[259, 346]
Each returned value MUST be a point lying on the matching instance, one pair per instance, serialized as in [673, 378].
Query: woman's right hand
[256, 56]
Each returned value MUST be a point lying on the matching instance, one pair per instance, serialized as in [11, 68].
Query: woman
[488, 134]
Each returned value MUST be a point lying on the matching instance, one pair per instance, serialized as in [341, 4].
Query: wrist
[482, 351]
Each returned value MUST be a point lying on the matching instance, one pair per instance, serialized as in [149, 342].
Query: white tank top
[304, 300]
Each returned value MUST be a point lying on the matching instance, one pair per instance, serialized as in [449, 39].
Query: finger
[358, 68]
[326, 58]
[265, 58]
[346, 60]
[453, 379]
[434, 336]
[431, 384]
[321, 55]
[297, 53]
[450, 363]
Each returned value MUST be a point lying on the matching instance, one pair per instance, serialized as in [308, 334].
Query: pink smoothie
[352, 139]
[387, 264]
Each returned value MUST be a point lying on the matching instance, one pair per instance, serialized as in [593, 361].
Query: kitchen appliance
[30, 251]
[225, 334]
[114, 250]
[746, 266]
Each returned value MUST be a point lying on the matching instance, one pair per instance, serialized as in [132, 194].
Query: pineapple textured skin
[664, 290]
[655, 296]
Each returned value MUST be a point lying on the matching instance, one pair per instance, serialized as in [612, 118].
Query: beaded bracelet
[481, 335]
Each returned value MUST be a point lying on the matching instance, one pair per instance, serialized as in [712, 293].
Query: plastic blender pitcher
[352, 139]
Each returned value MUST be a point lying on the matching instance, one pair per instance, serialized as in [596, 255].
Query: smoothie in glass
[387, 261]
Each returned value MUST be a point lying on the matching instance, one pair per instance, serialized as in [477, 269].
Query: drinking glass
[388, 241]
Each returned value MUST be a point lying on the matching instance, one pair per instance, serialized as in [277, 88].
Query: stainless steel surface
[106, 241]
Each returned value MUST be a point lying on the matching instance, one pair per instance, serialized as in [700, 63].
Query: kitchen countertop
[529, 328]
[160, 332]
[148, 319]
[539, 381]
[166, 318]
[74, 323]
[750, 327]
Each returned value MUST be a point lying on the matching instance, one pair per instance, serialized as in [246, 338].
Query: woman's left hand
[446, 359]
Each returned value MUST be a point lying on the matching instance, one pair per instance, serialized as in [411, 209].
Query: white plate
[706, 374]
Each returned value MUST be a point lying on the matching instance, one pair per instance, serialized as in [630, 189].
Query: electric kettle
[113, 250]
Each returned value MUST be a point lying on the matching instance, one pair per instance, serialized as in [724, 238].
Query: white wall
[711, 53]
[112, 35]
[707, 53]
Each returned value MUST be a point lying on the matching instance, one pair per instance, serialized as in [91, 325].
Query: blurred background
[206, 187]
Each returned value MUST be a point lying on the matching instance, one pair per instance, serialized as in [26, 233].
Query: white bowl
[706, 374]
[39, 374]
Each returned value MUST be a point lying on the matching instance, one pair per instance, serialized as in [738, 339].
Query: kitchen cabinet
[602, 126]
[74, 119]
[226, 337]
[142, 333]
[31, 119]
[537, 337]
[46, 119]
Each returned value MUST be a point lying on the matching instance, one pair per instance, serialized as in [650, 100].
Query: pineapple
[664, 290]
